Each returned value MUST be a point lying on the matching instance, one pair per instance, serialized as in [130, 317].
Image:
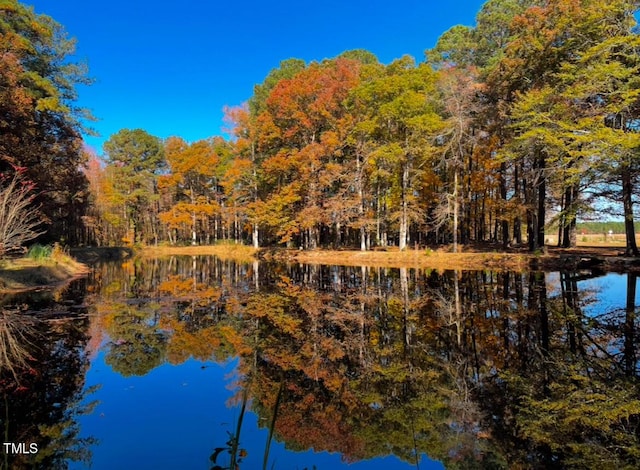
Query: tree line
[43, 189]
[526, 120]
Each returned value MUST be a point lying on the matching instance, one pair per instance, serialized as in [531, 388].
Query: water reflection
[474, 369]
[42, 365]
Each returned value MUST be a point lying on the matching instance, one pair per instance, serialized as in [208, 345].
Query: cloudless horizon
[170, 68]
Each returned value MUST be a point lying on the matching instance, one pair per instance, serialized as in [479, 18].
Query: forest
[524, 123]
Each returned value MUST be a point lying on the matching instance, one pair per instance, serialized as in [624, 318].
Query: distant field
[603, 227]
[593, 239]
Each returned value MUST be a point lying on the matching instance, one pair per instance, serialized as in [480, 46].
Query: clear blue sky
[170, 67]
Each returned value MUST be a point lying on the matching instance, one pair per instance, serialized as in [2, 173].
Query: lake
[199, 363]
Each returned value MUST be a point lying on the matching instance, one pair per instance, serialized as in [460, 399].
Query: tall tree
[403, 121]
[301, 127]
[604, 83]
[190, 180]
[458, 86]
[242, 179]
[287, 69]
[137, 159]
[40, 124]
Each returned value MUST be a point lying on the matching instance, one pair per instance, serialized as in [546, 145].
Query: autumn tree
[301, 134]
[286, 70]
[528, 55]
[354, 205]
[190, 181]
[506, 125]
[476, 51]
[402, 121]
[603, 85]
[95, 225]
[458, 144]
[241, 178]
[39, 120]
[136, 158]
[564, 35]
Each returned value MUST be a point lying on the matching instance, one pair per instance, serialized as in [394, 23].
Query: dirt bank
[470, 258]
[26, 274]
[241, 253]
[478, 257]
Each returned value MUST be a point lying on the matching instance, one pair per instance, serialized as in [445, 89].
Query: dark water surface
[200, 363]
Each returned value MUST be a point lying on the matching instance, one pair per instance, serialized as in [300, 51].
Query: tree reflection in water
[42, 366]
[476, 369]
[16, 333]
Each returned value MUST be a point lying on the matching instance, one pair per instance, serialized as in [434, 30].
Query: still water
[194, 362]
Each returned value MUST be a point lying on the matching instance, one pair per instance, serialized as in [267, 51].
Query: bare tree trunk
[194, 219]
[359, 182]
[542, 200]
[455, 211]
[256, 242]
[458, 309]
[236, 228]
[517, 222]
[569, 239]
[254, 236]
[404, 224]
[627, 202]
[503, 196]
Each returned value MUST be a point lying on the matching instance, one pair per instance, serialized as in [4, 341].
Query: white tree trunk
[455, 211]
[254, 236]
[404, 223]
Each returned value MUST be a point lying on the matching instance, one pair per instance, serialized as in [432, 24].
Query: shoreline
[406, 259]
[598, 257]
[243, 253]
[487, 257]
[24, 274]
[555, 259]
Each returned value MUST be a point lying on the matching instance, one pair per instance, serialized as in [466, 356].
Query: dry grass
[391, 258]
[25, 273]
[240, 253]
[617, 240]
[439, 260]
[479, 257]
[469, 258]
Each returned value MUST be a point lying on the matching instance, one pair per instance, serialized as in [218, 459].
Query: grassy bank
[242, 253]
[415, 259]
[48, 267]
[603, 258]
[602, 254]
[391, 258]
[44, 268]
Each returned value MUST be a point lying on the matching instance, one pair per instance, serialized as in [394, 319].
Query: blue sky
[170, 67]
